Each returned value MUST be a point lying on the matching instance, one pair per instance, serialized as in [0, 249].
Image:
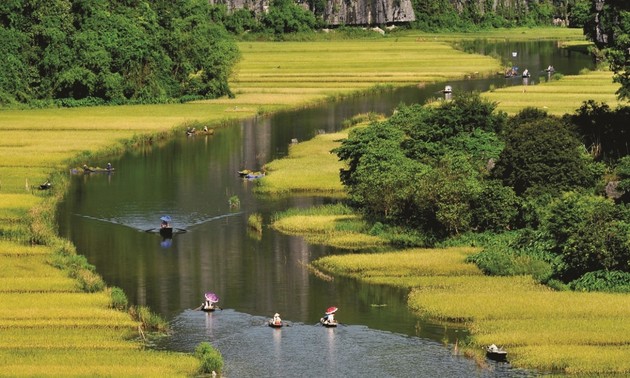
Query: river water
[193, 178]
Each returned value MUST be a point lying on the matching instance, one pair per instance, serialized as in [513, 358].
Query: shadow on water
[193, 180]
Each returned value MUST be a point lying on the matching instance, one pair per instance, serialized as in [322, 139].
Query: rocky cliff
[344, 12]
[368, 12]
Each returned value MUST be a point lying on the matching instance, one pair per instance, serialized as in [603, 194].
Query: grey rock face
[343, 12]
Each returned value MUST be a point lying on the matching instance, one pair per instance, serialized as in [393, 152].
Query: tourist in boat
[209, 305]
[164, 224]
[109, 166]
[550, 68]
[276, 319]
[526, 73]
[329, 318]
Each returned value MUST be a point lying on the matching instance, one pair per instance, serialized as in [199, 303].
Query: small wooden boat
[210, 303]
[166, 232]
[273, 324]
[208, 308]
[495, 353]
[328, 323]
[254, 175]
[87, 170]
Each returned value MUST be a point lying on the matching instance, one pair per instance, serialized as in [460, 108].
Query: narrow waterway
[192, 179]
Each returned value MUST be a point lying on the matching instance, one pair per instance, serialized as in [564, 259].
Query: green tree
[448, 191]
[496, 208]
[609, 27]
[603, 130]
[545, 156]
[623, 172]
[590, 234]
[285, 16]
[579, 13]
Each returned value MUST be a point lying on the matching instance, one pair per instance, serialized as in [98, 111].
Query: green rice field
[50, 327]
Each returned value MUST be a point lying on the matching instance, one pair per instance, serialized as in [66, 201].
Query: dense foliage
[461, 168]
[609, 27]
[96, 51]
[466, 15]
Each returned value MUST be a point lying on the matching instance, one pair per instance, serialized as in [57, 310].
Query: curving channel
[192, 179]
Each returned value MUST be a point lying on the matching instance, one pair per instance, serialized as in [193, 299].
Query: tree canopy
[112, 51]
[609, 28]
[459, 168]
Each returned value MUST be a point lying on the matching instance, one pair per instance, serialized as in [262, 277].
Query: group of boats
[193, 131]
[85, 169]
[513, 72]
[211, 300]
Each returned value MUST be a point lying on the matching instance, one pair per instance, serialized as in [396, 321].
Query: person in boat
[86, 168]
[276, 319]
[164, 224]
[550, 68]
[526, 73]
[205, 129]
[109, 166]
[329, 318]
[208, 305]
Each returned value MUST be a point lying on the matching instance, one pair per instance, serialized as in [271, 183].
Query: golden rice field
[329, 230]
[561, 332]
[288, 175]
[48, 327]
[558, 97]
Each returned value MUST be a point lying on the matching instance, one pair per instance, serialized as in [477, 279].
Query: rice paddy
[289, 175]
[558, 97]
[49, 327]
[545, 330]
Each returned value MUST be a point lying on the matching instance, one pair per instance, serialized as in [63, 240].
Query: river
[193, 178]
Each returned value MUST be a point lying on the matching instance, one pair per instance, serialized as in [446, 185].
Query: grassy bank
[560, 96]
[49, 325]
[569, 332]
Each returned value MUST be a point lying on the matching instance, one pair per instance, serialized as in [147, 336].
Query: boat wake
[144, 226]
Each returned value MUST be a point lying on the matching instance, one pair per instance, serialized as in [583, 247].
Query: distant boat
[329, 319]
[166, 232]
[210, 303]
[495, 353]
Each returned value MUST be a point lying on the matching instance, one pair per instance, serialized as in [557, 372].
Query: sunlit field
[49, 327]
[558, 97]
[310, 168]
[568, 332]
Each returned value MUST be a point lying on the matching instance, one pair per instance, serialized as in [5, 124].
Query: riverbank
[543, 330]
[46, 312]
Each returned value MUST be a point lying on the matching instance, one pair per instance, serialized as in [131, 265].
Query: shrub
[119, 299]
[603, 280]
[149, 320]
[255, 221]
[210, 358]
[234, 202]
